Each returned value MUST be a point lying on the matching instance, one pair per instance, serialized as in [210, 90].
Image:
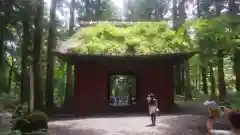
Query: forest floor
[189, 120]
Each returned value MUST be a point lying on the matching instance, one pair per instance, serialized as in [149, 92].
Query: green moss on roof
[139, 39]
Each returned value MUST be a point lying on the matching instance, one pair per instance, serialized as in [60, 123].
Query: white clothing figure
[212, 105]
[221, 132]
[152, 108]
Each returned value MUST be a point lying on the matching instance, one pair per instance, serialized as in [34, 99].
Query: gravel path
[132, 125]
[135, 125]
[190, 120]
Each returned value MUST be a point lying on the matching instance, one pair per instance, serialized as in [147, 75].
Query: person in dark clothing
[117, 99]
[111, 101]
[152, 107]
[130, 97]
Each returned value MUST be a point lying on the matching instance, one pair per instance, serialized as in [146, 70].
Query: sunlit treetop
[138, 39]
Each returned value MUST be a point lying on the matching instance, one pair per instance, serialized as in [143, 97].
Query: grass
[234, 100]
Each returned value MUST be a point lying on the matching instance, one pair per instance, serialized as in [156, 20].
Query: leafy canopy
[139, 39]
[212, 35]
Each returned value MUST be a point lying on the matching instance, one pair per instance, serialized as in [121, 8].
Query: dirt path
[189, 121]
[135, 125]
[5, 119]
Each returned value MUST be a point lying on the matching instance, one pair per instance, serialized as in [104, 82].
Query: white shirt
[213, 105]
[221, 132]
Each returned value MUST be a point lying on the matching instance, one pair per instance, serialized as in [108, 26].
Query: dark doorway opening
[122, 90]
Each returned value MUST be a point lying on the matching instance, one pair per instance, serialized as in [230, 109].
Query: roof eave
[72, 57]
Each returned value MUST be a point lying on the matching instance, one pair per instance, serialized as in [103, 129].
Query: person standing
[129, 96]
[152, 107]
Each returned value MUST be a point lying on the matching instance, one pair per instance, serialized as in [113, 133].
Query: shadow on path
[69, 130]
[189, 119]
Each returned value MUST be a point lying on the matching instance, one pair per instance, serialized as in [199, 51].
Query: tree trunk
[160, 13]
[10, 77]
[69, 84]
[212, 81]
[219, 6]
[188, 92]
[72, 17]
[181, 12]
[38, 35]
[98, 12]
[31, 90]
[195, 80]
[147, 14]
[25, 45]
[50, 58]
[221, 81]
[233, 10]
[156, 12]
[233, 7]
[183, 78]
[199, 80]
[7, 8]
[204, 81]
[236, 68]
[198, 8]
[88, 15]
[175, 14]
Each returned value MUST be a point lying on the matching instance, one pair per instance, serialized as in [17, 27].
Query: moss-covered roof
[143, 38]
[173, 58]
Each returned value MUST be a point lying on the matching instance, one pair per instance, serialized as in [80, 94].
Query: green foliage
[40, 132]
[8, 101]
[233, 101]
[140, 38]
[121, 84]
[20, 112]
[212, 35]
[17, 132]
[59, 82]
[11, 132]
